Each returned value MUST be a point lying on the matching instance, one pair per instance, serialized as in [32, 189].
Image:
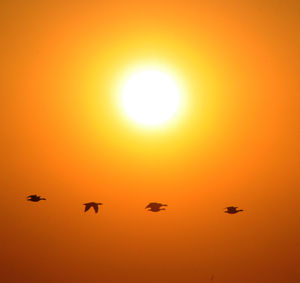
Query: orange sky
[64, 136]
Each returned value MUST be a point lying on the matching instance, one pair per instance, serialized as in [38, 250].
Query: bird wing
[32, 196]
[152, 204]
[231, 208]
[87, 207]
[95, 206]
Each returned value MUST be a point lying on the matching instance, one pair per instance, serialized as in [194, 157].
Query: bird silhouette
[232, 210]
[155, 206]
[35, 198]
[94, 205]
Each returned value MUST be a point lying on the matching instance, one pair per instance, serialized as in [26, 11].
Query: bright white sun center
[150, 97]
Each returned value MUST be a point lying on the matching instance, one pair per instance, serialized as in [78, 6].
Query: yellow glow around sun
[150, 97]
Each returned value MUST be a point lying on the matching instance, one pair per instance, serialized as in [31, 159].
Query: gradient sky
[65, 137]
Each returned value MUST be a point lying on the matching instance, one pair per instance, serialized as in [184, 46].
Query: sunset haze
[234, 141]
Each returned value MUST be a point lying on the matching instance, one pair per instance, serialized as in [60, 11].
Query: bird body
[35, 198]
[155, 206]
[232, 210]
[94, 205]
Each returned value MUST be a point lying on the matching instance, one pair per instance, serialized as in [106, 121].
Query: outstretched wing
[32, 196]
[87, 207]
[231, 208]
[151, 204]
[95, 206]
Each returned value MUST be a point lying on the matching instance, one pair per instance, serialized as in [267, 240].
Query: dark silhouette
[94, 205]
[35, 198]
[155, 206]
[232, 210]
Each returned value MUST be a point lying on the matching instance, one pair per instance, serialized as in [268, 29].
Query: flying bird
[232, 210]
[35, 198]
[155, 206]
[94, 205]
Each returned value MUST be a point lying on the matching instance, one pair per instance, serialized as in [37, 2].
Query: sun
[150, 97]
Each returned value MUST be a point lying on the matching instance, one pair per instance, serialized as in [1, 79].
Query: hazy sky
[64, 136]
